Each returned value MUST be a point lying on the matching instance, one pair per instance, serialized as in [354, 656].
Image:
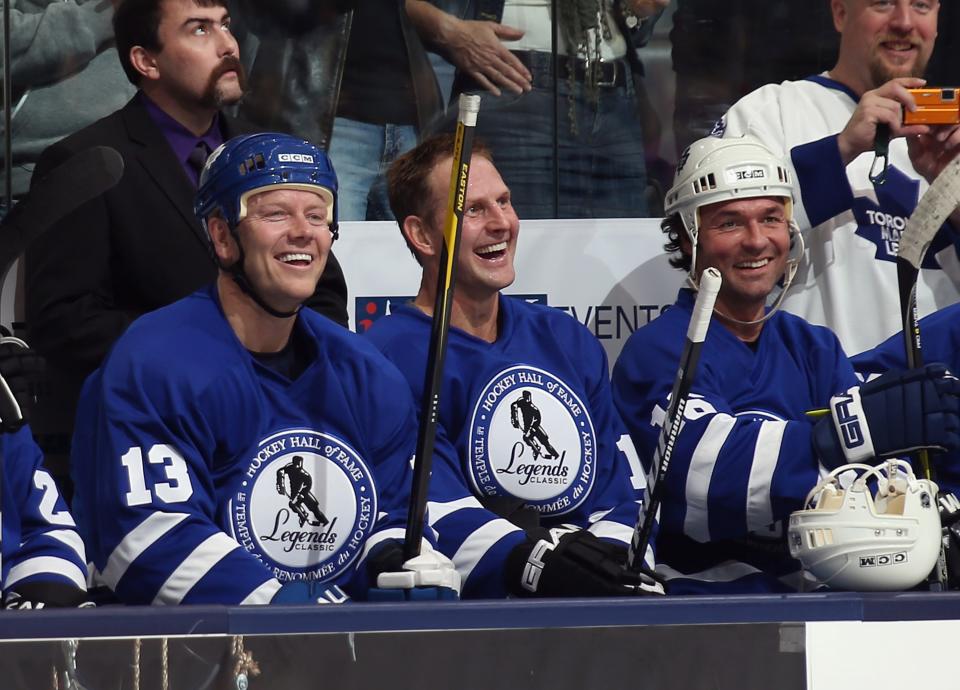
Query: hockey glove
[574, 563]
[39, 595]
[950, 522]
[21, 371]
[892, 415]
[429, 576]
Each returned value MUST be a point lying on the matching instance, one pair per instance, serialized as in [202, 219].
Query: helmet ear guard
[868, 528]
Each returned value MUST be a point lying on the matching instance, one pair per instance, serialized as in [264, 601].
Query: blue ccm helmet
[246, 165]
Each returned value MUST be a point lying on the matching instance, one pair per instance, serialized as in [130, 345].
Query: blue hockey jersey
[203, 476]
[39, 537]
[743, 460]
[940, 338]
[532, 419]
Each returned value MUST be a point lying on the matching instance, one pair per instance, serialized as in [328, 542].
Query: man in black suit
[139, 246]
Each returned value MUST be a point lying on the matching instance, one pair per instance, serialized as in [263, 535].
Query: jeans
[602, 169]
[361, 154]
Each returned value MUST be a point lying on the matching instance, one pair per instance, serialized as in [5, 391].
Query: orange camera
[934, 107]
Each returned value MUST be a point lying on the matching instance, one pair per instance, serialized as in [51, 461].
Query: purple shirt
[181, 139]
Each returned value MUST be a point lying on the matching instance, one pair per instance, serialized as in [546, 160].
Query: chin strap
[797, 249]
[240, 278]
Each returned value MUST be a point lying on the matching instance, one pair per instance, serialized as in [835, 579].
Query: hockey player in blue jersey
[747, 453]
[41, 554]
[205, 408]
[525, 401]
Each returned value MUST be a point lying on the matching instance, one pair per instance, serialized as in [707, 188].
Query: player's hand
[899, 412]
[21, 375]
[575, 563]
[646, 8]
[931, 151]
[475, 47]
[880, 106]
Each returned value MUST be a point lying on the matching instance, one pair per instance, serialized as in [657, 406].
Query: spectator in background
[504, 51]
[826, 125]
[139, 246]
[352, 76]
[65, 75]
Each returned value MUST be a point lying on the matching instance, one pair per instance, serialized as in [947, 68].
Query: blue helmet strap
[239, 276]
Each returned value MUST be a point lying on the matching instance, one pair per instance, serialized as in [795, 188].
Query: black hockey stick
[696, 333]
[932, 210]
[75, 181]
[430, 403]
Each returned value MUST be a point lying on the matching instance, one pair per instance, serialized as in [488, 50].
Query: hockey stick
[430, 403]
[710, 281]
[75, 181]
[932, 210]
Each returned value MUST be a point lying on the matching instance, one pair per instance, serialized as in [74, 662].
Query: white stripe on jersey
[71, 539]
[191, 570]
[475, 546]
[138, 540]
[695, 523]
[51, 565]
[263, 594]
[438, 511]
[608, 529]
[397, 533]
[766, 454]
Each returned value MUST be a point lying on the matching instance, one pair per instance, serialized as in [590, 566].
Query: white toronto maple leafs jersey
[532, 420]
[940, 339]
[203, 476]
[744, 459]
[39, 537]
[851, 226]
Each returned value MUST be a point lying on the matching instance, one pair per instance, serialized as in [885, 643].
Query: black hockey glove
[897, 413]
[21, 373]
[574, 563]
[40, 595]
[950, 522]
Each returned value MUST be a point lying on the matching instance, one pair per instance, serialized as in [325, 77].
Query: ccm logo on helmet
[883, 559]
[755, 174]
[294, 158]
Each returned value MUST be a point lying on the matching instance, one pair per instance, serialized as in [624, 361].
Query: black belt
[610, 74]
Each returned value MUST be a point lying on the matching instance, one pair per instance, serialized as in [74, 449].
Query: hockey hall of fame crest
[531, 437]
[305, 505]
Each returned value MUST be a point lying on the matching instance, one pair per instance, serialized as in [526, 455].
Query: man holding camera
[853, 202]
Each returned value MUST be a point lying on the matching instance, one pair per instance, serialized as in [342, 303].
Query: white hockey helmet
[849, 538]
[712, 170]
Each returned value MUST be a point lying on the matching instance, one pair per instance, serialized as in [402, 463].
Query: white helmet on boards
[850, 538]
[712, 170]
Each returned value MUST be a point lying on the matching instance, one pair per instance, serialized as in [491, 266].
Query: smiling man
[138, 246]
[747, 455]
[215, 422]
[826, 127]
[525, 401]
